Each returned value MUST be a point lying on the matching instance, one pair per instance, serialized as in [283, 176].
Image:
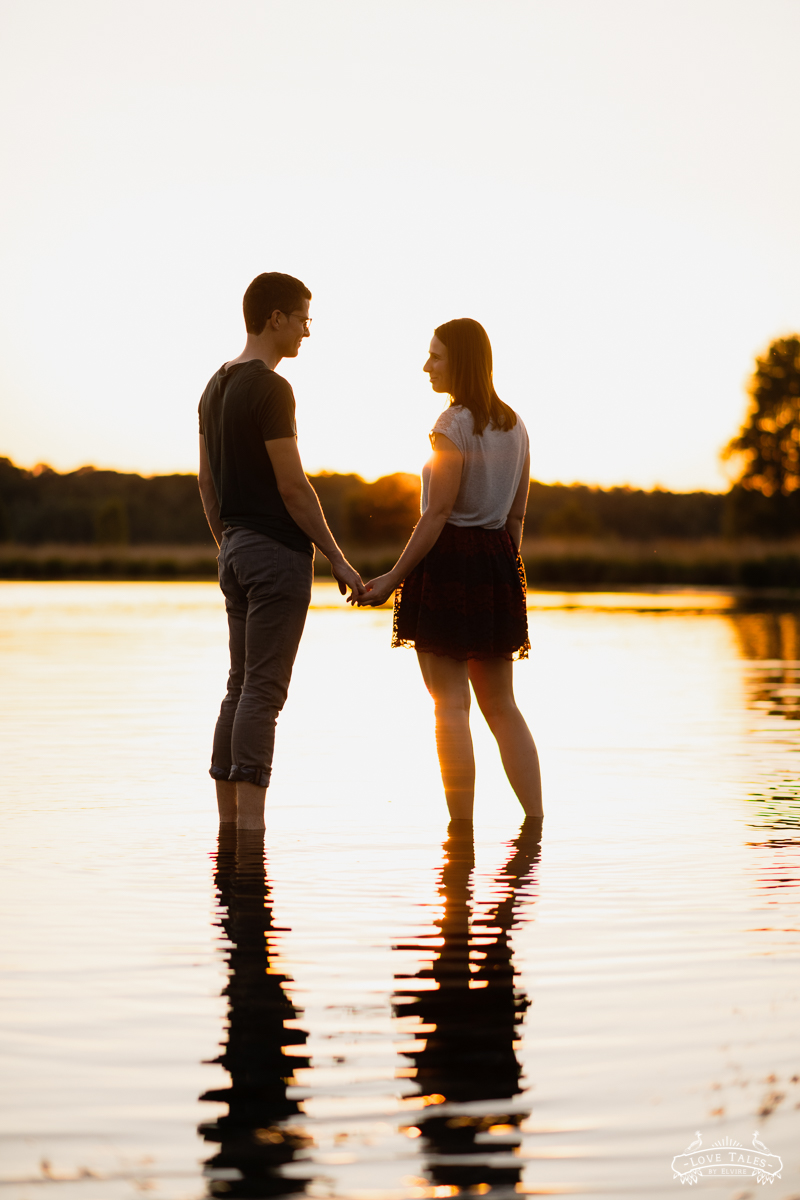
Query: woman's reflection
[472, 1020]
[253, 1137]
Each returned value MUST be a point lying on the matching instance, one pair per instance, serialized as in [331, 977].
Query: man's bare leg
[226, 801]
[251, 806]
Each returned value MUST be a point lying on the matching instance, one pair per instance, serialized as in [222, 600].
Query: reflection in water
[773, 639]
[668, 958]
[770, 641]
[773, 635]
[253, 1139]
[470, 1012]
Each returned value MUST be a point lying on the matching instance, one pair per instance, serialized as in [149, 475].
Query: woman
[460, 583]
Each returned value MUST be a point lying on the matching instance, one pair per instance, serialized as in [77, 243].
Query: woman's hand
[376, 591]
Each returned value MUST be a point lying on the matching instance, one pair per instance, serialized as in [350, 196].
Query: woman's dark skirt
[466, 599]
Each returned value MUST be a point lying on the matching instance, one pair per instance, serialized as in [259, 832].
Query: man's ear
[274, 321]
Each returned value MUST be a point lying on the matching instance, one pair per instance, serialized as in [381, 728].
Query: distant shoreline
[549, 562]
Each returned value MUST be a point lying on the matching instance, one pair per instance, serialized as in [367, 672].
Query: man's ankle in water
[226, 801]
[250, 806]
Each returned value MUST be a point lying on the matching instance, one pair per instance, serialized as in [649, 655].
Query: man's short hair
[266, 293]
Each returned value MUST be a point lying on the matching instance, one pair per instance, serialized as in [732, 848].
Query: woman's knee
[497, 707]
[451, 693]
[452, 714]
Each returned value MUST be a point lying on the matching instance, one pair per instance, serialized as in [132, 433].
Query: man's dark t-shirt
[242, 407]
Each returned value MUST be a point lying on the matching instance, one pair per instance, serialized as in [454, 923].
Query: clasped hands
[363, 595]
[375, 592]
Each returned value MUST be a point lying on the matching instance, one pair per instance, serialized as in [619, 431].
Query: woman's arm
[516, 514]
[446, 469]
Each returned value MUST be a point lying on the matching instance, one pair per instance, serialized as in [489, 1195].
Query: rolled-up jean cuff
[219, 773]
[258, 776]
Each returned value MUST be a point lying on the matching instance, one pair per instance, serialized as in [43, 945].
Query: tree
[769, 441]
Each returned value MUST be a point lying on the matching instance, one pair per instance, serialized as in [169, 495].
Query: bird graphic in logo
[726, 1157]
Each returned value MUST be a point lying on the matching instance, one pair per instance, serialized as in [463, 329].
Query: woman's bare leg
[492, 680]
[447, 681]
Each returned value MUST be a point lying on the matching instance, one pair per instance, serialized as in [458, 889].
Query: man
[266, 520]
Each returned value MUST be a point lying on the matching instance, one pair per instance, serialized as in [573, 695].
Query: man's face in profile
[296, 329]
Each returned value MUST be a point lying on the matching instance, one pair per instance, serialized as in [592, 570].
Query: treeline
[577, 511]
[110, 508]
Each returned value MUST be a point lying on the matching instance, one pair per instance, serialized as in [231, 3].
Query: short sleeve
[273, 407]
[451, 424]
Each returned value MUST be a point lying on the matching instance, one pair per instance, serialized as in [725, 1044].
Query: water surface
[362, 1008]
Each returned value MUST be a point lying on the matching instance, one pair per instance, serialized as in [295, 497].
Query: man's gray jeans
[267, 589]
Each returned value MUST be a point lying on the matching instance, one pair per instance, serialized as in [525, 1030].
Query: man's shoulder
[212, 385]
[245, 381]
[262, 383]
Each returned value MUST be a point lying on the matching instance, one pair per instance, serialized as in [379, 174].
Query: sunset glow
[608, 188]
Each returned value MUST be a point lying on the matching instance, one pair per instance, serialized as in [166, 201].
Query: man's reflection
[253, 1139]
[472, 1018]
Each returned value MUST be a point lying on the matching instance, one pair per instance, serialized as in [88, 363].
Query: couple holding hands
[459, 584]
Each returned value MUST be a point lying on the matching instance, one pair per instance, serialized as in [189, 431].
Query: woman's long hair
[469, 353]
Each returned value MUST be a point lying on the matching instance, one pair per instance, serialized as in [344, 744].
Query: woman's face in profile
[437, 366]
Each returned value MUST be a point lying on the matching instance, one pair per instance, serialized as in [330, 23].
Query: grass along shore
[549, 562]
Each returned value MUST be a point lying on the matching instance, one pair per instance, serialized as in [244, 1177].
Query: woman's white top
[493, 466]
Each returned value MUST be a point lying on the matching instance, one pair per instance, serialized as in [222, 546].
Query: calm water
[364, 1012]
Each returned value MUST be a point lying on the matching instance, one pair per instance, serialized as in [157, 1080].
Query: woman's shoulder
[454, 414]
[451, 423]
[457, 423]
[454, 421]
[520, 424]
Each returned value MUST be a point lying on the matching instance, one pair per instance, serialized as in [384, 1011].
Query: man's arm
[519, 504]
[303, 506]
[208, 493]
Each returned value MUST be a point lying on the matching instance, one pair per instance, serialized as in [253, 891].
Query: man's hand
[377, 591]
[347, 577]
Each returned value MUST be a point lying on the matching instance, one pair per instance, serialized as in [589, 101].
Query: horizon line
[86, 468]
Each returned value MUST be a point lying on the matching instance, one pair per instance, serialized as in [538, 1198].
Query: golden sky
[611, 186]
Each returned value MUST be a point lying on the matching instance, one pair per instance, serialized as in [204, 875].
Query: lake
[363, 1009]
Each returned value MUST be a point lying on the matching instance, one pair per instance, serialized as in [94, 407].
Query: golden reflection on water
[469, 1013]
[264, 1044]
[461, 1010]
[640, 970]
